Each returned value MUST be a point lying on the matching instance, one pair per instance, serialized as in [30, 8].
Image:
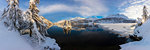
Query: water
[86, 38]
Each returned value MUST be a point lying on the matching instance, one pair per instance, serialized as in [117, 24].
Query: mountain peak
[117, 16]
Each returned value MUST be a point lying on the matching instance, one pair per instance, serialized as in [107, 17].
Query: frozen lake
[86, 38]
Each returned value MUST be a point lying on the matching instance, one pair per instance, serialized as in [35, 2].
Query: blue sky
[56, 10]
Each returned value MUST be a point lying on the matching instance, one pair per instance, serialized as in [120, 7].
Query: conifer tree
[145, 14]
[12, 15]
[37, 26]
[13, 18]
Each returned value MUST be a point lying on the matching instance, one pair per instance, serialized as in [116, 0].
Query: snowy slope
[144, 44]
[11, 40]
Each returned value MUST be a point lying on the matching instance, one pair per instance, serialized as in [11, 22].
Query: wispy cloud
[133, 8]
[87, 8]
[55, 8]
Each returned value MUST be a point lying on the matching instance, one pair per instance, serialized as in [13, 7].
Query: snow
[123, 29]
[11, 40]
[117, 16]
[51, 43]
[77, 18]
[32, 1]
[144, 44]
[91, 18]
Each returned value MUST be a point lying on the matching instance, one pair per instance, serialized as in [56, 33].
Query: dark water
[92, 38]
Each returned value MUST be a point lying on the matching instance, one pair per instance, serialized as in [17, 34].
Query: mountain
[77, 18]
[99, 17]
[116, 18]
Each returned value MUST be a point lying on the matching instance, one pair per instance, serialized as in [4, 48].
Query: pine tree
[30, 21]
[145, 14]
[145, 17]
[140, 21]
[37, 26]
[12, 16]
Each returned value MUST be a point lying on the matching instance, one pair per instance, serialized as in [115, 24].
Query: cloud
[134, 8]
[86, 8]
[92, 7]
[55, 8]
[137, 1]
[133, 11]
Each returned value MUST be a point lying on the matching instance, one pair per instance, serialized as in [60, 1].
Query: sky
[56, 10]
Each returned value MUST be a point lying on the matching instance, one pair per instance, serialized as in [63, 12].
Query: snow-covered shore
[144, 44]
[123, 29]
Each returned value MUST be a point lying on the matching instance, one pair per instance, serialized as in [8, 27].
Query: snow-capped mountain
[117, 18]
[91, 19]
[77, 18]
